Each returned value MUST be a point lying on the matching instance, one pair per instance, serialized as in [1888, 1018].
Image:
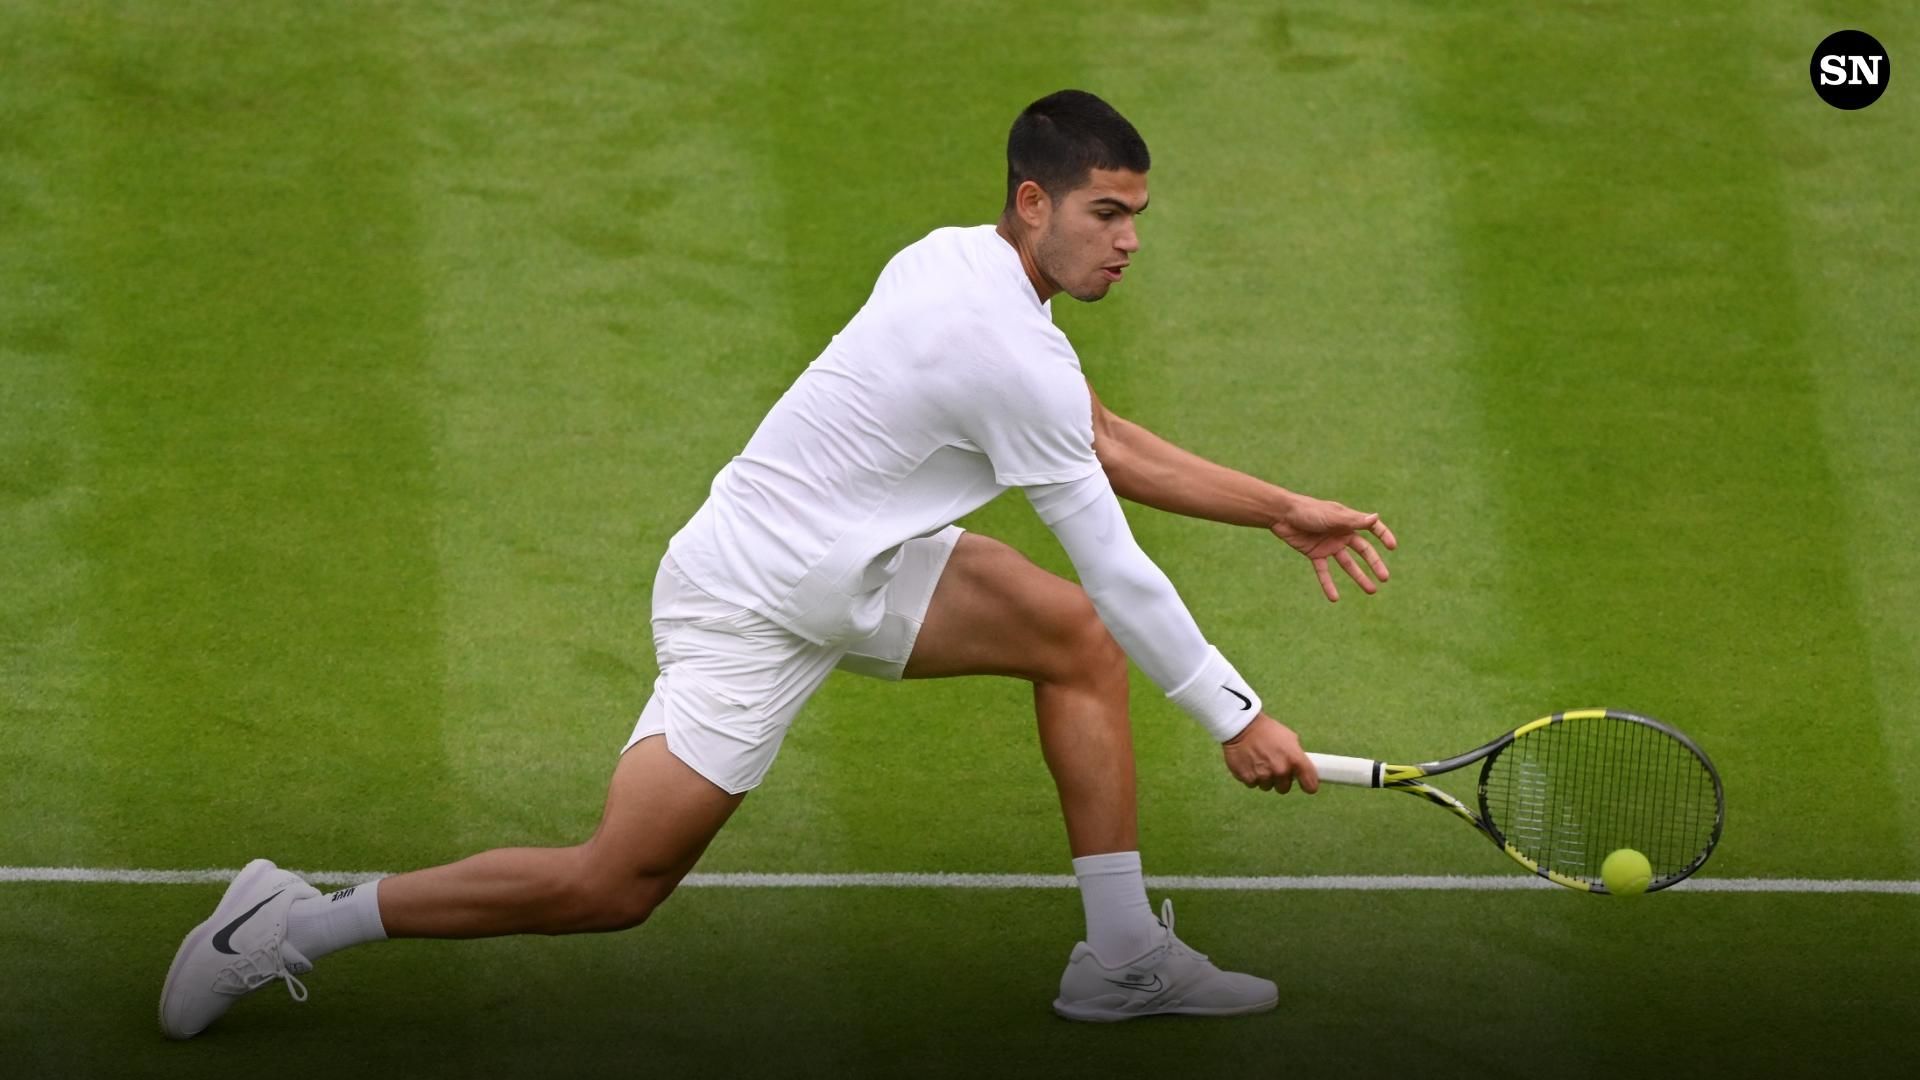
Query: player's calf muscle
[523, 891]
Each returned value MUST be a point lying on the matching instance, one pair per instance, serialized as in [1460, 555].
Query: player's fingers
[1374, 562]
[1326, 581]
[1379, 529]
[1345, 559]
[1308, 775]
[1283, 783]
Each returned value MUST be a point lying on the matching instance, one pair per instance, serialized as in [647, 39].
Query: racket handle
[1340, 769]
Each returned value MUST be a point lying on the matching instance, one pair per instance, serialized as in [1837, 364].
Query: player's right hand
[1267, 755]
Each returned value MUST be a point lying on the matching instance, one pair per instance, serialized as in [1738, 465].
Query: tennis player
[829, 543]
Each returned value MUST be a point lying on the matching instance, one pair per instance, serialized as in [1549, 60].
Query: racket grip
[1340, 769]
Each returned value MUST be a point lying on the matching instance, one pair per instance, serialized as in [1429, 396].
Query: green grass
[357, 361]
[955, 984]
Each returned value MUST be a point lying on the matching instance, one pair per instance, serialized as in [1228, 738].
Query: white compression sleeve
[1140, 607]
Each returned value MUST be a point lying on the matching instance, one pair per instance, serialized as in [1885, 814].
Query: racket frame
[1411, 779]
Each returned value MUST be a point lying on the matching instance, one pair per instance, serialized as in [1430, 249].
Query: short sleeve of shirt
[1029, 411]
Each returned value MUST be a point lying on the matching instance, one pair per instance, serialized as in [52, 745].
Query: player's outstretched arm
[1149, 470]
[1145, 614]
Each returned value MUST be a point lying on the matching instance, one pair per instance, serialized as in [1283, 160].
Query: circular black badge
[1850, 69]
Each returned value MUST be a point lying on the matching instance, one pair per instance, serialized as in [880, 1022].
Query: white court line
[1315, 883]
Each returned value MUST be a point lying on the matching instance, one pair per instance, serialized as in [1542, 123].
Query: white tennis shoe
[239, 949]
[1170, 978]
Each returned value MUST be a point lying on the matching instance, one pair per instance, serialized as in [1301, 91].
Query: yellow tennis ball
[1626, 872]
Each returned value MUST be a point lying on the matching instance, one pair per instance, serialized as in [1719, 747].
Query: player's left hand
[1322, 530]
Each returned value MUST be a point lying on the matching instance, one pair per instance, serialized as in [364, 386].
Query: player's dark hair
[1059, 139]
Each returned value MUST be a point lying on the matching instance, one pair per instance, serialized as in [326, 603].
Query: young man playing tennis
[829, 542]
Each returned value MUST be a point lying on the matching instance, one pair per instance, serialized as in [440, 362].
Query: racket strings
[1568, 794]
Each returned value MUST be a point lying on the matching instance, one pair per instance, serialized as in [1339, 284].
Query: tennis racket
[1562, 793]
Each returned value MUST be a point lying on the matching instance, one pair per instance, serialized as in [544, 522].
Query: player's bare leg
[995, 613]
[659, 818]
[270, 925]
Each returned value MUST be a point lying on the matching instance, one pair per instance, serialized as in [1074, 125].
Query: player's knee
[633, 905]
[1090, 653]
[604, 900]
[1105, 658]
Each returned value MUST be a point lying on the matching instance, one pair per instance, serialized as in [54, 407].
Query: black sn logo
[1850, 69]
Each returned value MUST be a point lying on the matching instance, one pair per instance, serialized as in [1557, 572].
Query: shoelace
[1166, 920]
[255, 970]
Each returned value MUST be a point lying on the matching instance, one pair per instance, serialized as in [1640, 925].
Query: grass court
[357, 361]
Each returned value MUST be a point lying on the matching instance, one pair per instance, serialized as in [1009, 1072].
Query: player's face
[1090, 238]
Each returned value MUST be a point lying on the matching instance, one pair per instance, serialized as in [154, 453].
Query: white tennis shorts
[732, 680]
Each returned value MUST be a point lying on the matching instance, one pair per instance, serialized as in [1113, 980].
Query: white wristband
[1218, 698]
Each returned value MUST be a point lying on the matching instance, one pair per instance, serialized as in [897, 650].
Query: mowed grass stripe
[1646, 365]
[943, 775]
[1847, 178]
[603, 247]
[1295, 312]
[44, 668]
[262, 598]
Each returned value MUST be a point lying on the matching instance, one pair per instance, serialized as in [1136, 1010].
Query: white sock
[1120, 922]
[327, 924]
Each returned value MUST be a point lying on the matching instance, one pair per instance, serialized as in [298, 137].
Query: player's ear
[1032, 203]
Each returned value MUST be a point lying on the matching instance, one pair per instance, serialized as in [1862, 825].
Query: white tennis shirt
[951, 385]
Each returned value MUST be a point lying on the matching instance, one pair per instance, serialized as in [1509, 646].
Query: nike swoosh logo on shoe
[224, 938]
[1147, 987]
